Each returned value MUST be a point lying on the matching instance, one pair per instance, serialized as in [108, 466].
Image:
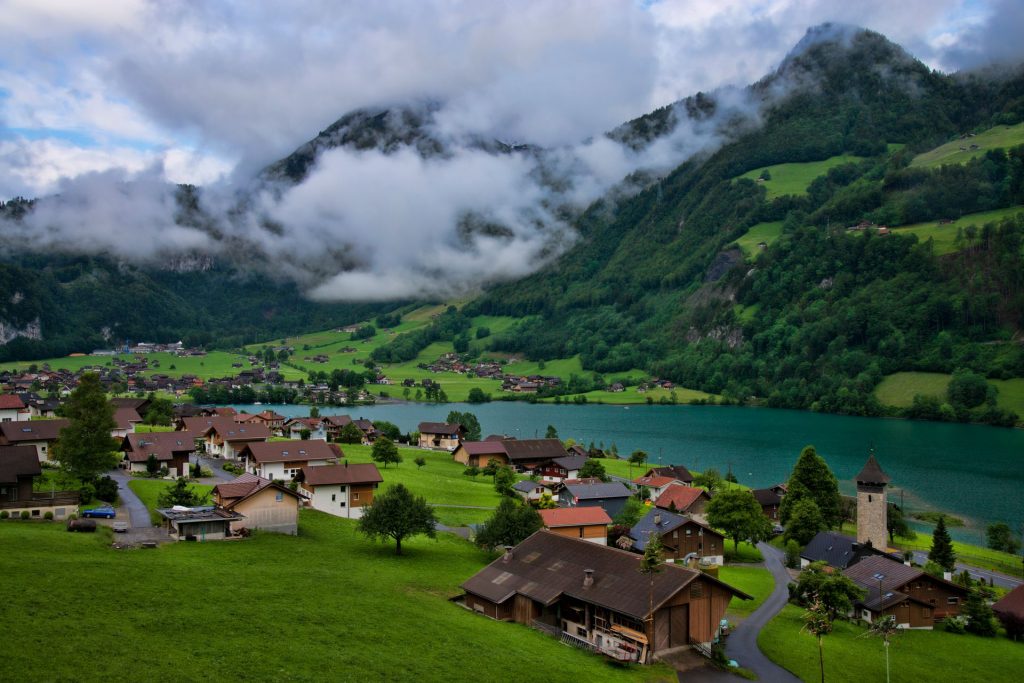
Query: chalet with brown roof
[533, 455]
[19, 466]
[682, 537]
[171, 450]
[40, 434]
[594, 597]
[333, 424]
[770, 500]
[13, 409]
[1010, 611]
[675, 471]
[915, 598]
[265, 505]
[125, 419]
[225, 438]
[590, 524]
[656, 484]
[285, 459]
[687, 500]
[341, 490]
[440, 435]
[481, 453]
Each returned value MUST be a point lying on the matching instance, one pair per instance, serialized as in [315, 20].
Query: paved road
[216, 465]
[742, 644]
[138, 514]
[1002, 580]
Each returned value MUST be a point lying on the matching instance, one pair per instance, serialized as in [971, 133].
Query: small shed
[204, 523]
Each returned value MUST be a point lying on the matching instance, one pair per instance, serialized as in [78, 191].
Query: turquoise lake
[972, 471]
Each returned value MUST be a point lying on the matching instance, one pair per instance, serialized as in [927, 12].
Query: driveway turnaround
[137, 512]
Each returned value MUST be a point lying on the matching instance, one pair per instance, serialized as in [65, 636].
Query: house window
[581, 532]
[926, 612]
[334, 497]
[953, 601]
[869, 497]
[35, 513]
[279, 497]
[697, 590]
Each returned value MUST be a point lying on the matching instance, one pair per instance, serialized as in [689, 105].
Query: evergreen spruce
[941, 552]
[85, 447]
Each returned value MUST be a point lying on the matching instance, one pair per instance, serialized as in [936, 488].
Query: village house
[561, 469]
[687, 500]
[203, 523]
[594, 597]
[125, 420]
[534, 455]
[675, 471]
[225, 438]
[334, 424]
[40, 434]
[284, 460]
[340, 490]
[532, 491]
[612, 496]
[265, 505]
[19, 466]
[770, 499]
[590, 524]
[1010, 610]
[269, 419]
[13, 409]
[294, 428]
[915, 598]
[139, 405]
[481, 453]
[656, 484]
[837, 550]
[682, 537]
[440, 435]
[171, 450]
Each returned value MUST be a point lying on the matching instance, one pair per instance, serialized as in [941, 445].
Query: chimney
[657, 519]
[508, 554]
[588, 578]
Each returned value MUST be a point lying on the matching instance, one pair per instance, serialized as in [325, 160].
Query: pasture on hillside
[999, 137]
[944, 234]
[795, 178]
[762, 232]
[898, 389]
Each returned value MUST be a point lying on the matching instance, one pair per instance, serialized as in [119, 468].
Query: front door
[680, 625]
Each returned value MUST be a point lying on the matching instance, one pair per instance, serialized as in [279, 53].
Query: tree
[476, 395]
[968, 390]
[350, 433]
[551, 432]
[397, 514]
[710, 479]
[812, 472]
[472, 471]
[1000, 537]
[738, 514]
[180, 493]
[152, 464]
[547, 502]
[817, 623]
[388, 429]
[792, 554]
[805, 521]
[385, 451]
[637, 458]
[511, 523]
[980, 618]
[314, 412]
[834, 590]
[630, 513]
[897, 524]
[85, 447]
[490, 469]
[594, 468]
[304, 434]
[886, 628]
[469, 423]
[160, 411]
[941, 552]
[730, 477]
[504, 479]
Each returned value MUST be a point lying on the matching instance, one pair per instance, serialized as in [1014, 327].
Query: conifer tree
[85, 447]
[941, 552]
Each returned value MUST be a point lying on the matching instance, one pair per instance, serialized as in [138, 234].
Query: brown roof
[657, 481]
[534, 449]
[484, 447]
[362, 473]
[767, 497]
[18, 461]
[337, 420]
[682, 496]
[872, 472]
[126, 417]
[547, 566]
[883, 578]
[439, 428]
[1012, 603]
[675, 471]
[574, 517]
[164, 445]
[233, 492]
[229, 430]
[292, 451]
[10, 402]
[33, 430]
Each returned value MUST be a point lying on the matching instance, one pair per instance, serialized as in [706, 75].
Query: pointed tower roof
[872, 473]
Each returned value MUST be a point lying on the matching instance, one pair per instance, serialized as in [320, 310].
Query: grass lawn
[899, 389]
[762, 232]
[796, 178]
[190, 611]
[747, 552]
[944, 235]
[994, 138]
[913, 655]
[755, 581]
[148, 490]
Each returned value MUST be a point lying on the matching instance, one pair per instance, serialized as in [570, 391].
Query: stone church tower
[872, 511]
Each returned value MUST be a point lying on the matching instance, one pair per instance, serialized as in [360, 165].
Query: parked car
[84, 525]
[120, 527]
[104, 511]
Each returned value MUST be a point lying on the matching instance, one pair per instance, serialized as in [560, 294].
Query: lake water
[972, 471]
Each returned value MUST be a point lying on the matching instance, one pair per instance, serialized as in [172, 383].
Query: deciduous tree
[385, 451]
[398, 514]
[504, 480]
[469, 423]
[737, 513]
[813, 473]
[594, 468]
[805, 522]
[511, 523]
[85, 447]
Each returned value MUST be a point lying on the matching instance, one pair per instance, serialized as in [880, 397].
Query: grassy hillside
[762, 232]
[944, 235]
[795, 178]
[353, 610]
[997, 137]
[898, 389]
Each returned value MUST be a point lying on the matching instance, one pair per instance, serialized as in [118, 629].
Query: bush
[86, 494]
[792, 554]
[956, 625]
[106, 489]
[4, 514]
[48, 516]
[24, 514]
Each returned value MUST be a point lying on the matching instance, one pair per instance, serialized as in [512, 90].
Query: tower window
[869, 497]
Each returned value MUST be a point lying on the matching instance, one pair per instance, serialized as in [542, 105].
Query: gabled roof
[657, 481]
[18, 461]
[559, 517]
[164, 445]
[533, 449]
[125, 417]
[325, 475]
[661, 522]
[204, 513]
[484, 447]
[591, 491]
[836, 550]
[872, 473]
[884, 578]
[245, 486]
[337, 420]
[11, 402]
[675, 471]
[229, 430]
[547, 566]
[527, 486]
[767, 497]
[444, 428]
[1012, 603]
[33, 430]
[571, 462]
[682, 496]
[292, 451]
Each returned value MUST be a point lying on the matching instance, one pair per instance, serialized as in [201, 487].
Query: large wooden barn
[595, 597]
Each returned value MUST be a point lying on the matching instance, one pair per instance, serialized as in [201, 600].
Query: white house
[225, 438]
[41, 434]
[285, 459]
[125, 419]
[317, 428]
[532, 490]
[13, 409]
[340, 490]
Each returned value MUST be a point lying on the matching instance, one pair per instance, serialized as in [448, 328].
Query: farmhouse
[681, 536]
[590, 524]
[267, 418]
[440, 435]
[915, 598]
[40, 434]
[340, 490]
[333, 424]
[205, 523]
[560, 469]
[265, 505]
[675, 471]
[770, 499]
[226, 438]
[612, 497]
[595, 597]
[837, 550]
[294, 428]
[19, 466]
[532, 455]
[125, 420]
[171, 450]
[1010, 610]
[656, 484]
[13, 409]
[531, 491]
[480, 453]
[284, 459]
[684, 499]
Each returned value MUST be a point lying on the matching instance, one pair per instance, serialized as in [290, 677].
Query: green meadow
[900, 388]
[762, 232]
[944, 235]
[795, 178]
[999, 137]
[755, 581]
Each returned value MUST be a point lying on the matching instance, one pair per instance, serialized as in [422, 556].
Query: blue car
[105, 511]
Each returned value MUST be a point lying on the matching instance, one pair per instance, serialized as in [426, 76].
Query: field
[762, 232]
[914, 655]
[944, 236]
[213, 364]
[796, 178]
[994, 138]
[755, 581]
[899, 389]
[325, 605]
[148, 490]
